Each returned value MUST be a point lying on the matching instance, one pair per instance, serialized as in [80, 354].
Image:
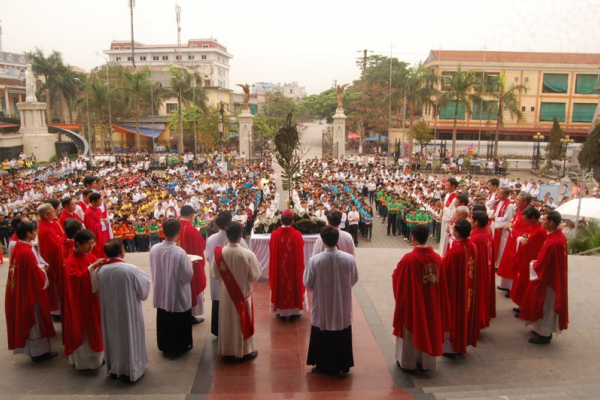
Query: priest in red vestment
[96, 221]
[286, 269]
[461, 272]
[50, 238]
[191, 240]
[68, 211]
[507, 269]
[486, 293]
[81, 321]
[72, 226]
[545, 304]
[27, 308]
[528, 248]
[421, 316]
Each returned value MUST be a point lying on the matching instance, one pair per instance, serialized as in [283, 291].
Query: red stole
[83, 206]
[486, 282]
[420, 292]
[237, 297]
[25, 287]
[82, 307]
[498, 231]
[536, 237]
[551, 268]
[286, 269]
[450, 199]
[460, 269]
[193, 243]
[507, 267]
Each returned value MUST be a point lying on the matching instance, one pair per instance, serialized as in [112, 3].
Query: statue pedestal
[36, 138]
[339, 132]
[245, 138]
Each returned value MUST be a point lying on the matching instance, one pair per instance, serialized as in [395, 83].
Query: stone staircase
[391, 394]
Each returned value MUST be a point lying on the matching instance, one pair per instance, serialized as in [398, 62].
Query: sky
[314, 43]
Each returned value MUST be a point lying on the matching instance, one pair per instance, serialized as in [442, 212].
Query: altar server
[448, 213]
[345, 242]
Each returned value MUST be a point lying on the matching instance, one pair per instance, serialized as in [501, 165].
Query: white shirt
[171, 276]
[345, 244]
[330, 276]
[353, 217]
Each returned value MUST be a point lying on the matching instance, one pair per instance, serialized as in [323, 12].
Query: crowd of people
[76, 219]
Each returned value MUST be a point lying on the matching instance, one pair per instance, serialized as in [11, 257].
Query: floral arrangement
[304, 222]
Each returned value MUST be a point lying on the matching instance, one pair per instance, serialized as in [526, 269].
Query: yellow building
[560, 84]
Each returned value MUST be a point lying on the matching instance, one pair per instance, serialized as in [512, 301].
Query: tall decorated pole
[339, 124]
[246, 121]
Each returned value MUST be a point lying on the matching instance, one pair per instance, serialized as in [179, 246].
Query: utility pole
[363, 124]
[180, 112]
[0, 35]
[131, 5]
[389, 102]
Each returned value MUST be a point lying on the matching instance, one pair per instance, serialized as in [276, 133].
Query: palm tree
[136, 90]
[508, 100]
[460, 90]
[418, 91]
[48, 67]
[187, 87]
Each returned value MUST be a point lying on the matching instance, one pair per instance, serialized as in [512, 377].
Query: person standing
[353, 220]
[81, 321]
[286, 268]
[330, 275]
[236, 269]
[545, 304]
[484, 243]
[218, 239]
[345, 242]
[122, 287]
[448, 213]
[193, 243]
[171, 276]
[95, 220]
[501, 218]
[27, 308]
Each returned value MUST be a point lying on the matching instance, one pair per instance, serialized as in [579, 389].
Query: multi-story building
[12, 82]
[292, 90]
[207, 56]
[561, 85]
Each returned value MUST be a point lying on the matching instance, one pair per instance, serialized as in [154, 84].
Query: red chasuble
[498, 231]
[66, 250]
[92, 221]
[24, 288]
[50, 238]
[236, 295]
[83, 206]
[82, 307]
[421, 300]
[460, 269]
[486, 280]
[65, 215]
[193, 243]
[286, 269]
[536, 237]
[551, 268]
[507, 267]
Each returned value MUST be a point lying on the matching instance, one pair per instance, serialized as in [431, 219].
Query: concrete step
[383, 394]
[582, 390]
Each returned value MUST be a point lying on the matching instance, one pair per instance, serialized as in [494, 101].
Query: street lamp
[566, 141]
[538, 138]
[87, 106]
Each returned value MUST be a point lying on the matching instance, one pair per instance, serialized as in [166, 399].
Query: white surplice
[246, 270]
[331, 275]
[122, 288]
[500, 223]
[171, 276]
[448, 215]
[219, 239]
[345, 244]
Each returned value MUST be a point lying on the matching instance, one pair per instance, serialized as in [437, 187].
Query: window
[142, 58]
[178, 57]
[165, 58]
[555, 83]
[446, 78]
[171, 107]
[583, 112]
[523, 109]
[448, 111]
[118, 58]
[204, 57]
[190, 57]
[128, 58]
[586, 84]
[491, 78]
[155, 58]
[117, 48]
[127, 47]
[205, 46]
[489, 112]
[194, 46]
[291, 91]
[532, 109]
[3, 103]
[551, 110]
[516, 79]
[526, 79]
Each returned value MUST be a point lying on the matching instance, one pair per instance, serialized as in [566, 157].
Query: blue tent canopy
[375, 138]
[150, 132]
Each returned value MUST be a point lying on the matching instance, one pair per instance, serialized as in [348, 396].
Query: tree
[136, 89]
[589, 157]
[423, 134]
[555, 147]
[277, 108]
[507, 98]
[418, 90]
[187, 88]
[288, 153]
[460, 90]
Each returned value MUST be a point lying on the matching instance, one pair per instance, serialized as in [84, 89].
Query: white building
[207, 56]
[293, 91]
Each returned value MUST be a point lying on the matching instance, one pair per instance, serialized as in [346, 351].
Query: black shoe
[535, 333]
[196, 321]
[517, 309]
[56, 318]
[451, 356]
[250, 356]
[507, 295]
[44, 357]
[281, 317]
[114, 376]
[541, 339]
[503, 289]
[406, 370]
[294, 317]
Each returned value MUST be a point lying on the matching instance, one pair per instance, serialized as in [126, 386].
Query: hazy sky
[311, 42]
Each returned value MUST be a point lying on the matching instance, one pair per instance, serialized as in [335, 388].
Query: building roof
[512, 57]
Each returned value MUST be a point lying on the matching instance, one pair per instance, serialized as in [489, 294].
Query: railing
[585, 253]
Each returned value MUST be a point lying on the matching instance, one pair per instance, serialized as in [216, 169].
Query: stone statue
[246, 95]
[340, 95]
[30, 85]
